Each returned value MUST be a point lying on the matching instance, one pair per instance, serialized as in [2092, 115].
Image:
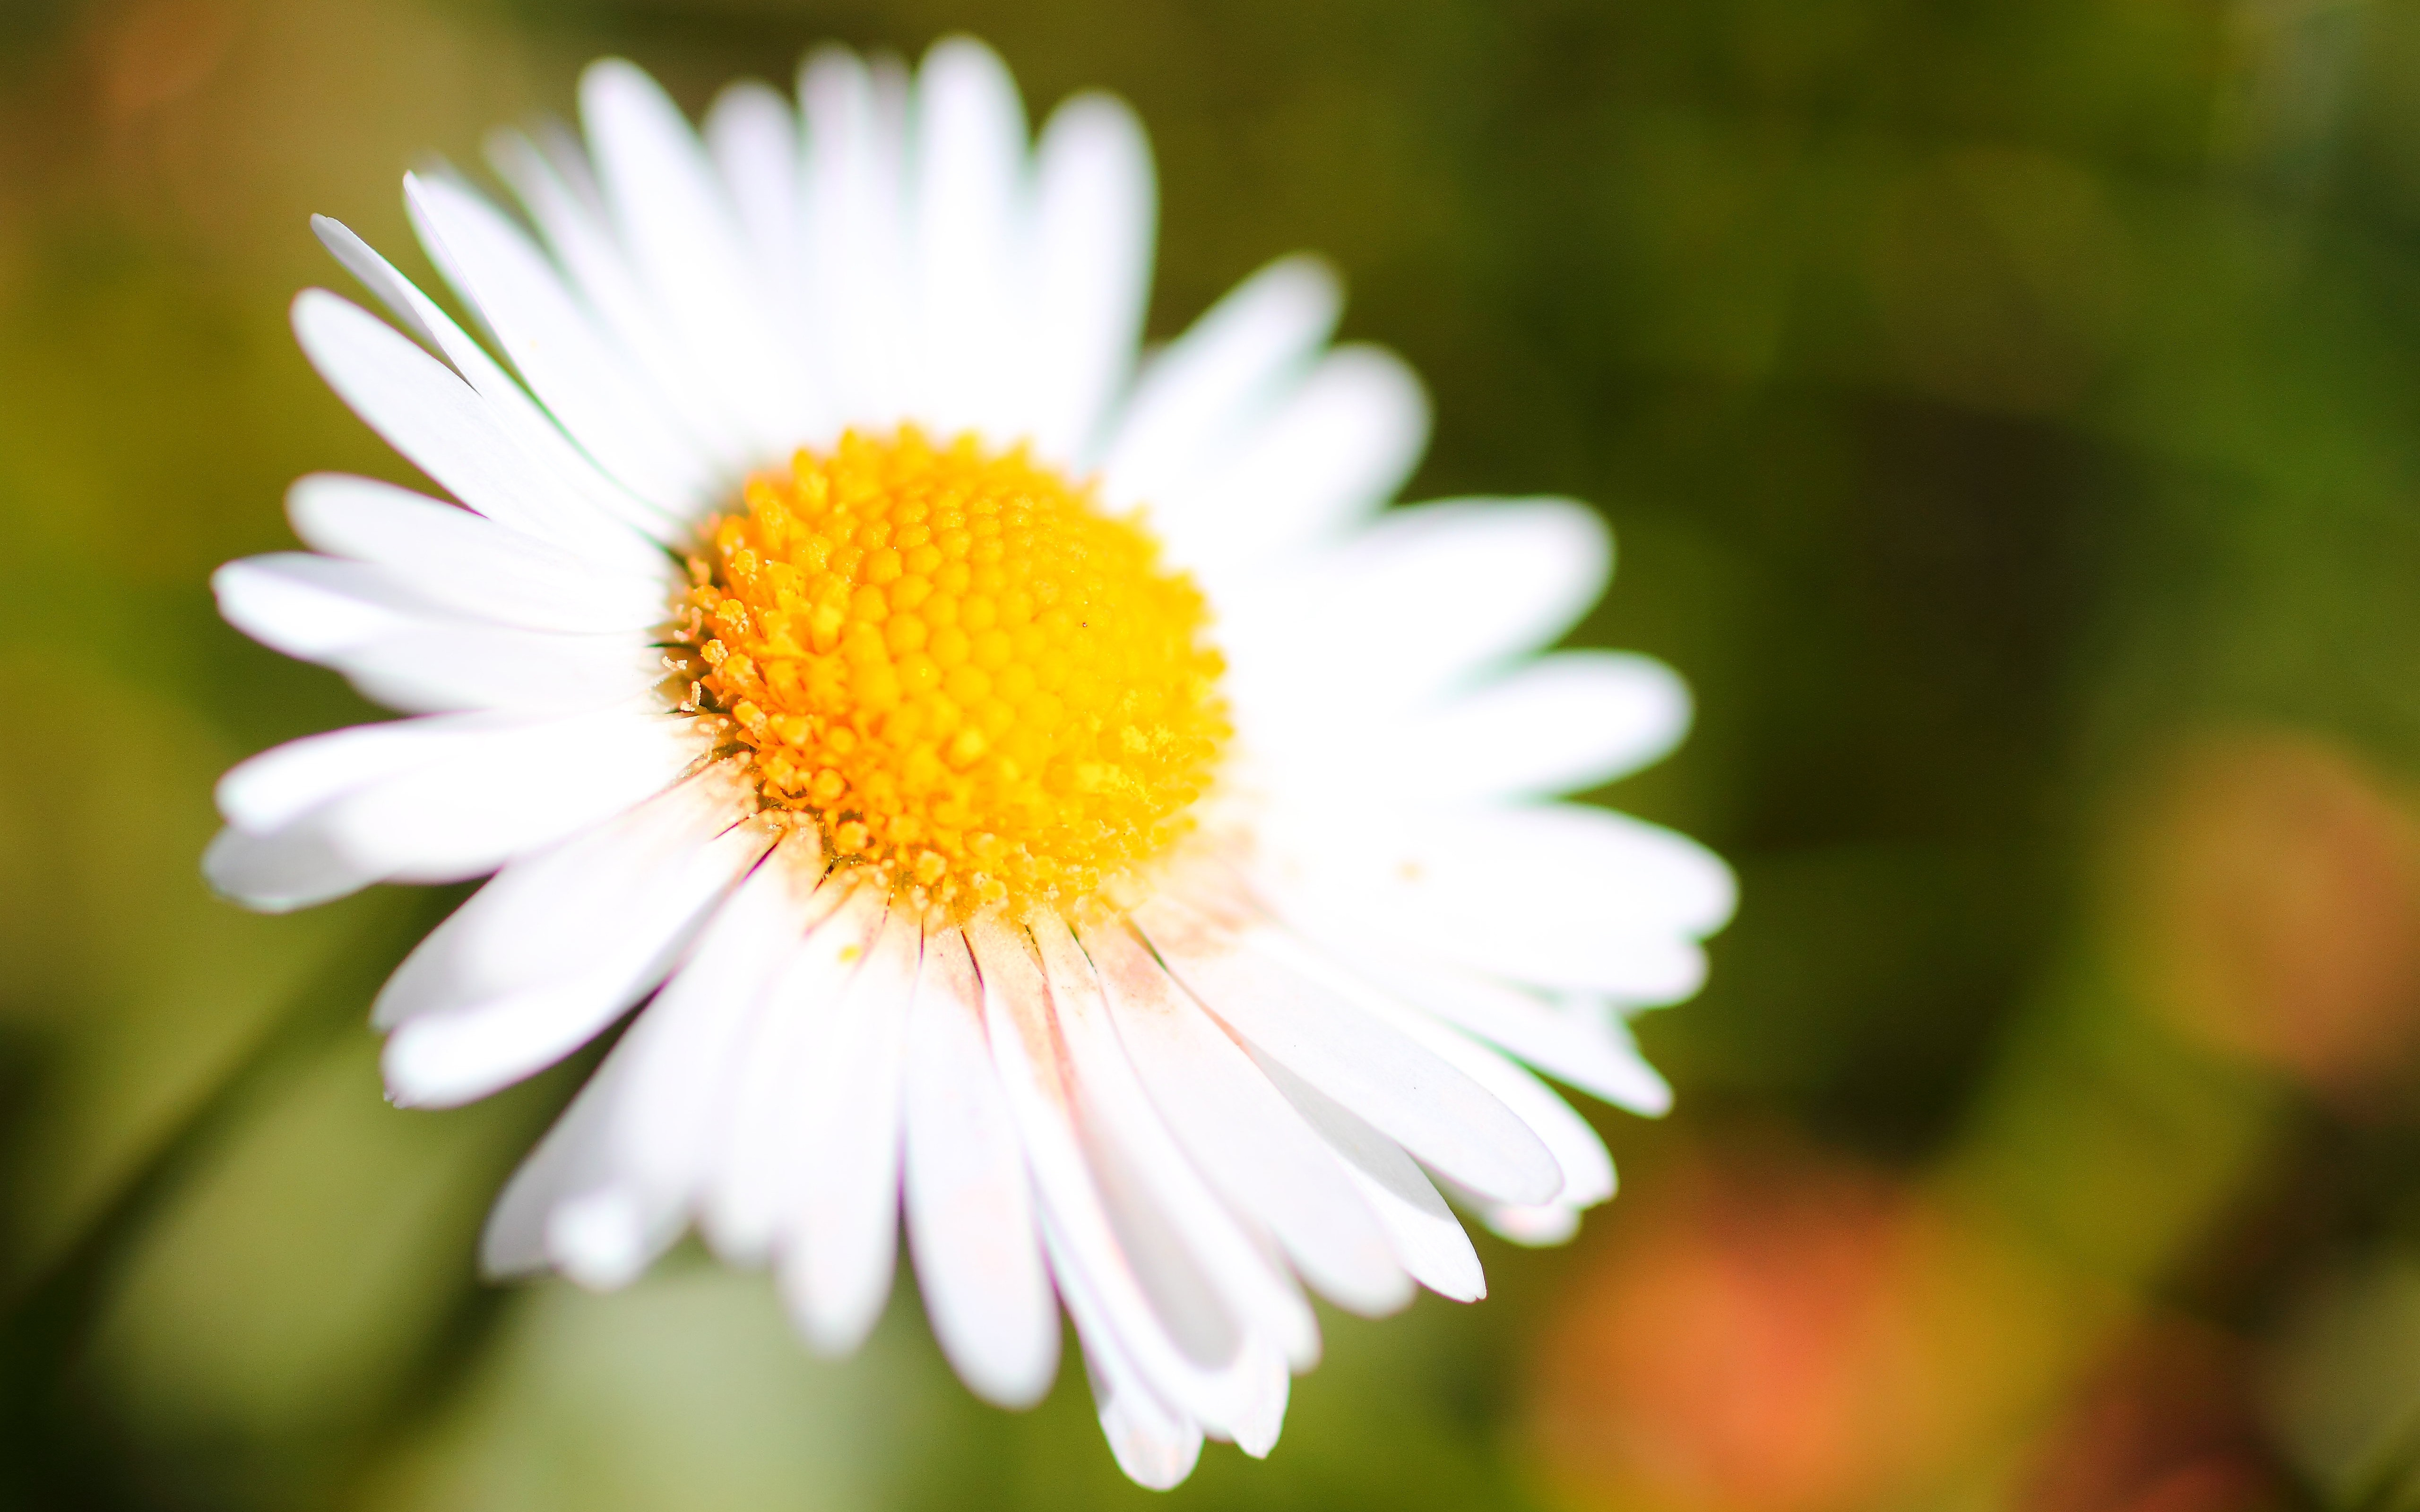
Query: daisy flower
[1022, 784]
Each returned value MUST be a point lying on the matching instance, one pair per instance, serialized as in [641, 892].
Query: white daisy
[1039, 792]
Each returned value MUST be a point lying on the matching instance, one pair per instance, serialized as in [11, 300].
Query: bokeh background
[2010, 416]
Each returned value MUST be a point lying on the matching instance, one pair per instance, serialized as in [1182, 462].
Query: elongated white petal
[1211, 380]
[469, 564]
[419, 314]
[444, 1061]
[842, 1243]
[1330, 452]
[588, 382]
[532, 427]
[438, 668]
[429, 415]
[753, 135]
[430, 800]
[1588, 1170]
[1153, 1443]
[1248, 1139]
[1557, 895]
[967, 217]
[441, 1058]
[547, 916]
[1581, 1041]
[1094, 207]
[857, 238]
[1131, 1145]
[312, 606]
[759, 1173]
[411, 655]
[1427, 1240]
[278, 872]
[556, 189]
[1574, 720]
[282, 784]
[687, 1049]
[1243, 973]
[1552, 1223]
[566, 1206]
[452, 820]
[686, 246]
[1564, 722]
[1096, 1279]
[969, 1210]
[1410, 608]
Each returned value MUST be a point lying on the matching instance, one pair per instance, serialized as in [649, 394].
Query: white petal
[1411, 607]
[1134, 1150]
[419, 315]
[687, 245]
[1580, 1040]
[277, 874]
[1095, 1275]
[645, 906]
[1194, 396]
[609, 1188]
[1252, 978]
[594, 388]
[970, 1210]
[282, 784]
[1247, 1138]
[409, 654]
[1567, 721]
[564, 1206]
[468, 814]
[547, 916]
[1588, 1170]
[688, 1047]
[314, 606]
[553, 186]
[857, 242]
[1554, 1222]
[1427, 1240]
[1094, 207]
[968, 220]
[450, 432]
[436, 668]
[469, 564]
[760, 1169]
[842, 1243]
[1332, 451]
[752, 136]
[1155, 1445]
[509, 403]
[430, 800]
[1557, 895]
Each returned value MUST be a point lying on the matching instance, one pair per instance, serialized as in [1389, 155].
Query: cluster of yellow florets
[967, 675]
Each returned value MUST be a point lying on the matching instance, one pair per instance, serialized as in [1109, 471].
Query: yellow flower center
[964, 673]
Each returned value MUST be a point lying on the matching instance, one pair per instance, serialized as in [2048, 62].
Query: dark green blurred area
[2010, 420]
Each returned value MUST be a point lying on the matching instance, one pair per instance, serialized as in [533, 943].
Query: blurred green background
[2010, 419]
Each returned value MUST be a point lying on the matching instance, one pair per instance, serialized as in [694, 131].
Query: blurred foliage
[2010, 419]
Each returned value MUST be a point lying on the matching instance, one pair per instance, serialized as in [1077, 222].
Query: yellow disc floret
[958, 667]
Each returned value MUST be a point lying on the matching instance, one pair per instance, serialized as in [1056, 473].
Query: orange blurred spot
[155, 53]
[2275, 902]
[1778, 1332]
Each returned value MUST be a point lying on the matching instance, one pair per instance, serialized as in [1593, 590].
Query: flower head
[1016, 788]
